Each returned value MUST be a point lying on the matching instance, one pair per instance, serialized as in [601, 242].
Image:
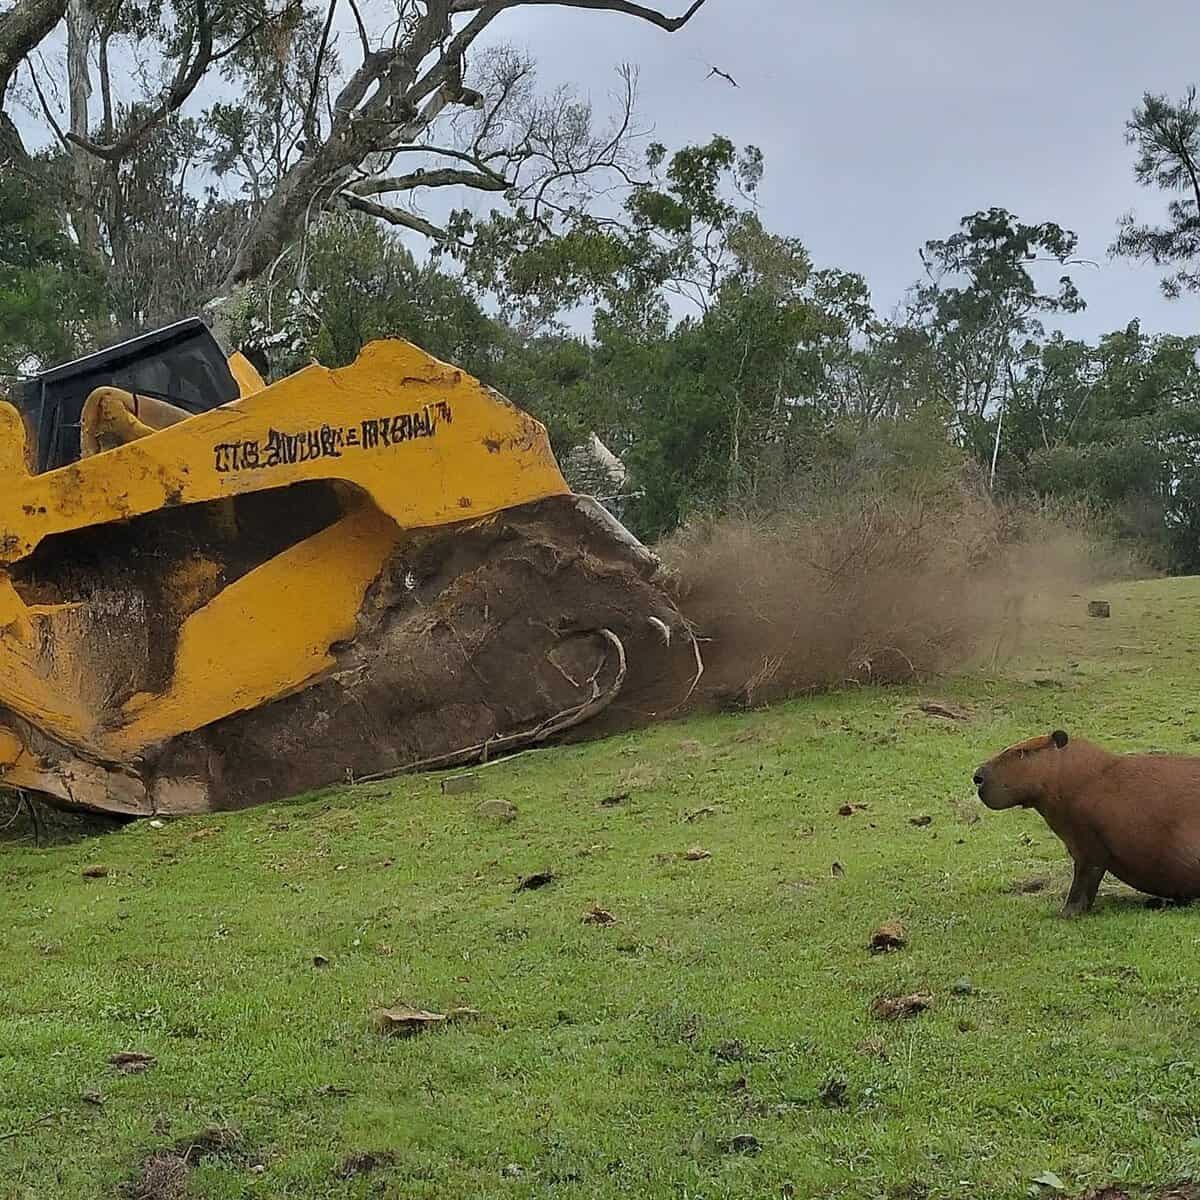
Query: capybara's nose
[979, 776]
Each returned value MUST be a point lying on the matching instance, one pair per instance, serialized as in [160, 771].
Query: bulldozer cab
[181, 364]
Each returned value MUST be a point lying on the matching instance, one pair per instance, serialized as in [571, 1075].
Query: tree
[1167, 137]
[307, 124]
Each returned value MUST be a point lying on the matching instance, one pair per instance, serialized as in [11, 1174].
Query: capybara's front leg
[1084, 887]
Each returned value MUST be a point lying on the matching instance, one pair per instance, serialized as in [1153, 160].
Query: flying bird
[723, 75]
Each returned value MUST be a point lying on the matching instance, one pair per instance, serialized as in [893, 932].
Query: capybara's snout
[980, 776]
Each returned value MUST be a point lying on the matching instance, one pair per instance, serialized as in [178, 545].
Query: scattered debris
[833, 1093]
[456, 785]
[94, 872]
[403, 1021]
[1099, 608]
[935, 708]
[539, 879]
[743, 1143]
[132, 1062]
[500, 811]
[920, 822]
[163, 1175]
[696, 854]
[891, 935]
[872, 1048]
[893, 1008]
[363, 1162]
[963, 987]
[615, 799]
[598, 916]
[730, 1051]
[837, 870]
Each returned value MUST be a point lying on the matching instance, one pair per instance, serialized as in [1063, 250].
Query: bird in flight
[723, 75]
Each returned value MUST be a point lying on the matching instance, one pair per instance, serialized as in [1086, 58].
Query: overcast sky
[883, 123]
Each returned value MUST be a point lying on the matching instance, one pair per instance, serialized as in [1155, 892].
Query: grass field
[715, 1041]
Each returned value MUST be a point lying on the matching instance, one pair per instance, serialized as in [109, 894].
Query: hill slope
[716, 1040]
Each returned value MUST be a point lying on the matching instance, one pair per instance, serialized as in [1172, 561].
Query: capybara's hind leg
[1083, 891]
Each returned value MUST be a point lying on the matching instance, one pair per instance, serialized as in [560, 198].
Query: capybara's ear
[1059, 738]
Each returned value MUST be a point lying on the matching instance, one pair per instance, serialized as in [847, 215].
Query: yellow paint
[266, 635]
[467, 453]
[244, 374]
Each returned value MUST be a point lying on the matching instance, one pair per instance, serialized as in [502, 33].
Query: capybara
[1136, 815]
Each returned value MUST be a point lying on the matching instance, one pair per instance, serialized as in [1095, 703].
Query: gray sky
[883, 123]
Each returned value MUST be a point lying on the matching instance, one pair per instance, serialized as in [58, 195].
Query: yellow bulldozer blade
[215, 592]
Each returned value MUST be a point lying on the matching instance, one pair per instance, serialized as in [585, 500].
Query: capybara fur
[1136, 815]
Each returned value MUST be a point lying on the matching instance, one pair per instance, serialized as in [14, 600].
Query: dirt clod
[696, 814]
[729, 1051]
[834, 1093]
[1028, 887]
[132, 1062]
[837, 870]
[598, 916]
[96, 1099]
[94, 872]
[615, 799]
[963, 987]
[319, 960]
[920, 822]
[539, 879]
[696, 854]
[363, 1162]
[894, 1008]
[848, 810]
[891, 935]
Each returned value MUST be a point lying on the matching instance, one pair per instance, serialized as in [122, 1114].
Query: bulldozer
[218, 592]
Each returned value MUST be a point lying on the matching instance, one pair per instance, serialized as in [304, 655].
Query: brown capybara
[1136, 815]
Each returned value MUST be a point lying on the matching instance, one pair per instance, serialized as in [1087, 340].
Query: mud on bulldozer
[216, 592]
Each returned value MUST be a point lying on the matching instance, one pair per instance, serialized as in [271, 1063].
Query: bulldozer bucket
[215, 592]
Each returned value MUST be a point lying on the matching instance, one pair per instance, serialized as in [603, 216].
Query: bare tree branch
[670, 24]
[186, 80]
[438, 177]
[394, 216]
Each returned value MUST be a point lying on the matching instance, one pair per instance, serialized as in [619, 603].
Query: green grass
[595, 1066]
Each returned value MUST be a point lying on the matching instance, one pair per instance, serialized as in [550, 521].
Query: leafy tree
[1167, 137]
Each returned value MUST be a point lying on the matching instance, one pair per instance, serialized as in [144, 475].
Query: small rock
[920, 822]
[319, 960]
[963, 987]
[456, 785]
[598, 916]
[615, 799]
[403, 1021]
[158, 824]
[696, 854]
[94, 872]
[891, 935]
[94, 1098]
[501, 811]
[1099, 608]
[513, 1171]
